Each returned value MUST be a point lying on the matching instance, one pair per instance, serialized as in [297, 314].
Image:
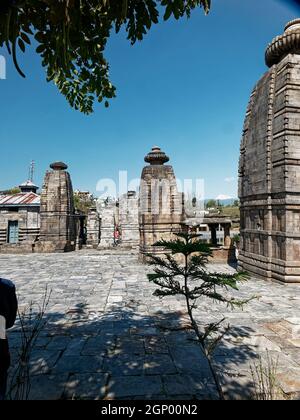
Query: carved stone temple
[269, 172]
[161, 209]
[57, 214]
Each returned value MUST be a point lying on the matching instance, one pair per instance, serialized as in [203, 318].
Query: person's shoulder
[7, 283]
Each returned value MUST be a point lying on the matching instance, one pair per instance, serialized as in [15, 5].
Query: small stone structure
[58, 227]
[93, 228]
[112, 217]
[47, 223]
[161, 207]
[269, 172]
[20, 219]
[129, 220]
[108, 212]
[214, 224]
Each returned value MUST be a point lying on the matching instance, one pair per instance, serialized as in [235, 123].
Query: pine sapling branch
[192, 280]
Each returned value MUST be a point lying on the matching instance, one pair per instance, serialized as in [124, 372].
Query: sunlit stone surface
[107, 336]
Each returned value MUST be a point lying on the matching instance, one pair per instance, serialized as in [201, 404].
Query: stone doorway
[13, 232]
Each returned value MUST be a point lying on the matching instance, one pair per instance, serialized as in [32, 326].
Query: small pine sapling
[182, 271]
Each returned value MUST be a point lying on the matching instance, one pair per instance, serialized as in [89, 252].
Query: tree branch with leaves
[183, 271]
[72, 35]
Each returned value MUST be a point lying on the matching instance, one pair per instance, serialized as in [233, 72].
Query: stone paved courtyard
[108, 337]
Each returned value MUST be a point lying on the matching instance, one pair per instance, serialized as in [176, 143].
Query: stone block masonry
[129, 220]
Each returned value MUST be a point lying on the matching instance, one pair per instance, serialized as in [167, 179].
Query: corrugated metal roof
[21, 199]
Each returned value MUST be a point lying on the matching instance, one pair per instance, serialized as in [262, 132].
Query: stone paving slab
[108, 337]
[86, 386]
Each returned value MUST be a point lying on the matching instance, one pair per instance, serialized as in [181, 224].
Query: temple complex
[49, 222]
[161, 209]
[269, 172]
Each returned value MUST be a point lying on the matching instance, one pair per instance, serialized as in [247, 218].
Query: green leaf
[21, 45]
[41, 48]
[169, 11]
[25, 38]
[75, 39]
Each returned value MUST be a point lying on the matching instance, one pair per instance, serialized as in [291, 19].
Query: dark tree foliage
[72, 35]
[182, 271]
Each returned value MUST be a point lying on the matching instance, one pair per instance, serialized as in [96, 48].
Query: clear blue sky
[184, 88]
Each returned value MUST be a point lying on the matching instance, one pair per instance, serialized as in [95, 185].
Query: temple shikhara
[161, 205]
[57, 231]
[269, 171]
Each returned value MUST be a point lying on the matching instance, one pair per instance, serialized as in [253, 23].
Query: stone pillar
[227, 239]
[93, 228]
[213, 230]
[107, 224]
[58, 228]
[161, 206]
[129, 220]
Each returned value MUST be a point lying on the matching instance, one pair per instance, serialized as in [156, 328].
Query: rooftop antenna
[31, 171]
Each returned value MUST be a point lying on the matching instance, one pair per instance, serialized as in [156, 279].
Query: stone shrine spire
[58, 230]
[269, 174]
[161, 207]
[282, 45]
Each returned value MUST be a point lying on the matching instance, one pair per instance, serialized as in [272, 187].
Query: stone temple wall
[28, 219]
[29, 224]
[269, 172]
[108, 213]
[93, 229]
[129, 220]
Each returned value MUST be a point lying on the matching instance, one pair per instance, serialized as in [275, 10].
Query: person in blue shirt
[8, 313]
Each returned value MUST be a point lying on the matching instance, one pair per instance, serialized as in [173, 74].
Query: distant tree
[236, 239]
[211, 204]
[11, 191]
[194, 282]
[71, 37]
[83, 205]
[236, 203]
[220, 204]
[194, 202]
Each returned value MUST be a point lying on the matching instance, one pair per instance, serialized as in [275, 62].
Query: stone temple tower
[58, 232]
[269, 172]
[161, 207]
